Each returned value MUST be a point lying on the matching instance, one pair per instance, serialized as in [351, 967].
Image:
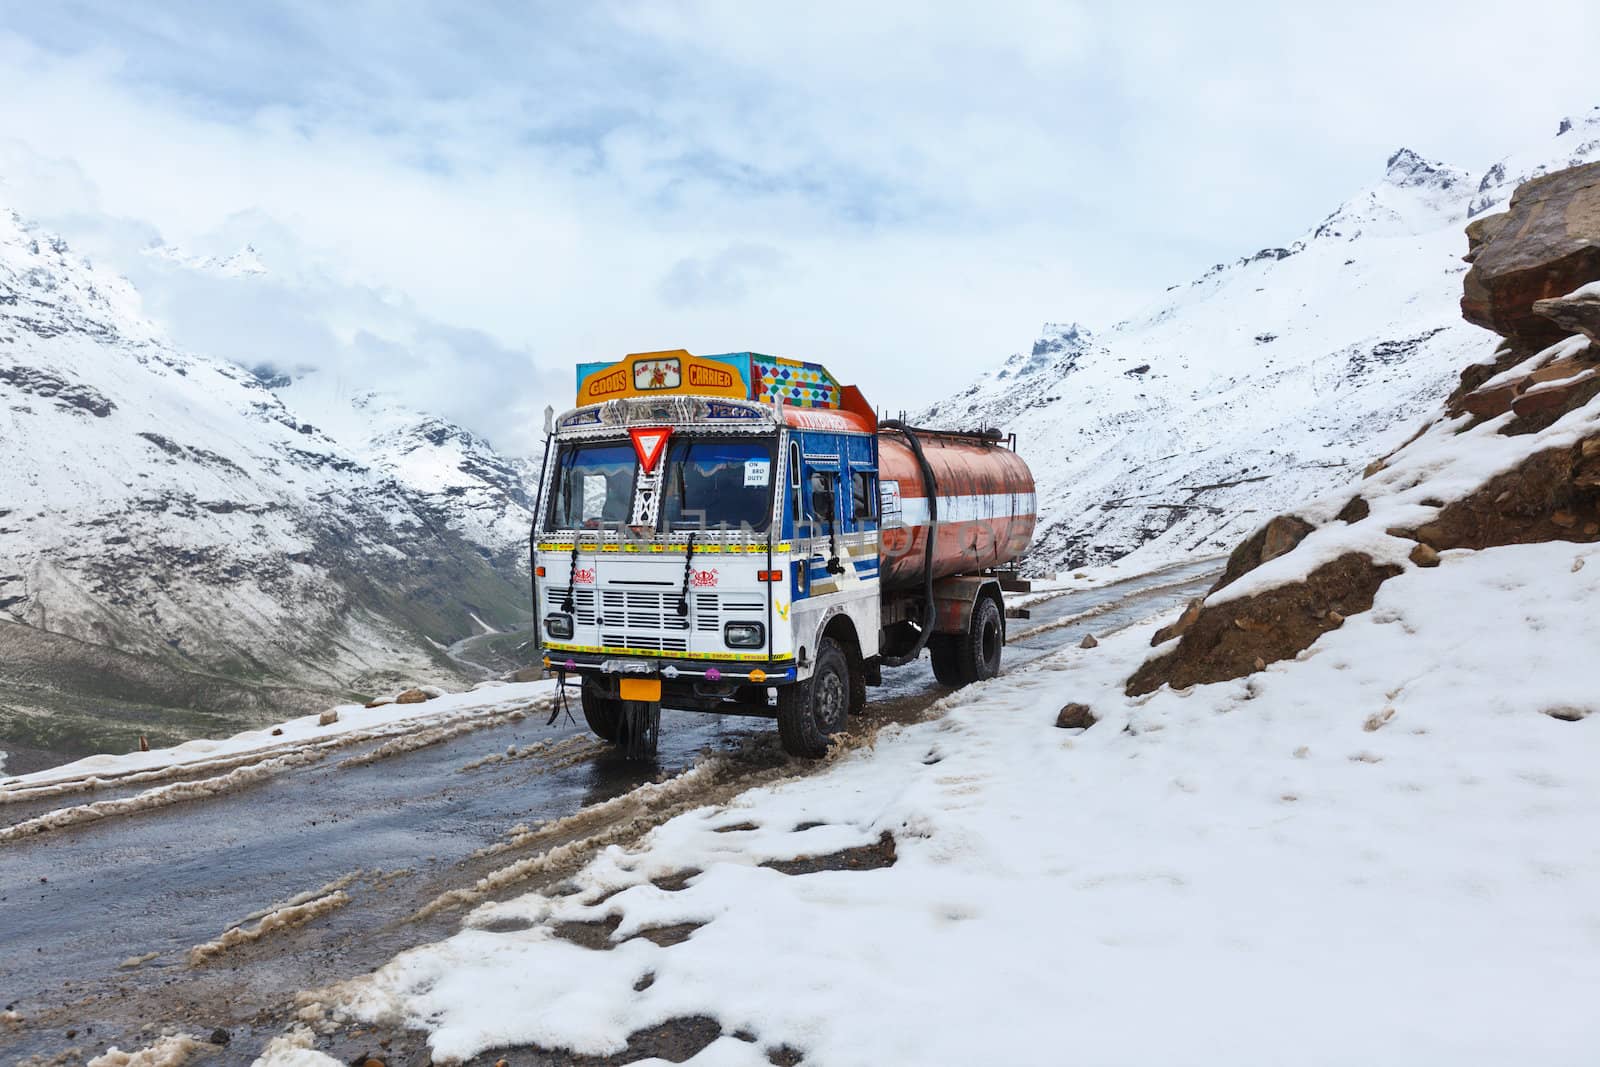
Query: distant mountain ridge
[176, 535]
[1263, 382]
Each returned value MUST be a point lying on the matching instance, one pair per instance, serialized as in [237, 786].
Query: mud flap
[641, 729]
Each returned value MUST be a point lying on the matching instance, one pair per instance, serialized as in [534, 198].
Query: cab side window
[863, 496]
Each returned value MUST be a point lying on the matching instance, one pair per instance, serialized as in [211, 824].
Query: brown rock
[1177, 629]
[144, 743]
[380, 702]
[1547, 246]
[1487, 403]
[329, 717]
[1424, 555]
[1088, 642]
[1479, 232]
[1373, 468]
[1075, 717]
[1335, 618]
[277, 731]
[1252, 626]
[1564, 519]
[412, 696]
[1215, 649]
[1590, 447]
[1355, 511]
[1574, 316]
[1591, 528]
[1558, 396]
[1260, 664]
[1558, 369]
[1282, 535]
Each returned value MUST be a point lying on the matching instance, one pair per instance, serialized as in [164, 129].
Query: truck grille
[582, 604]
[711, 610]
[630, 609]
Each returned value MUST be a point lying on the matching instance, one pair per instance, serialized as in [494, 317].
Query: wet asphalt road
[75, 903]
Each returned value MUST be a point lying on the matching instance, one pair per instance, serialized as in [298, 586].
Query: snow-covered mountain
[177, 534]
[1262, 383]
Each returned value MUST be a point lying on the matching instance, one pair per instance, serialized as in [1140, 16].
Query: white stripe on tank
[914, 509]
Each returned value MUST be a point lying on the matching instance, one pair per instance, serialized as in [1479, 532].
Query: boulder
[1075, 717]
[1553, 395]
[1089, 642]
[1573, 313]
[328, 718]
[380, 702]
[412, 696]
[1177, 629]
[1283, 534]
[1547, 245]
[1228, 640]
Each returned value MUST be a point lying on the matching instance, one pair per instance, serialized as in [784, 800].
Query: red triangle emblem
[649, 443]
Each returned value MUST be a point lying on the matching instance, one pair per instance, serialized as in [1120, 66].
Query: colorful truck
[741, 534]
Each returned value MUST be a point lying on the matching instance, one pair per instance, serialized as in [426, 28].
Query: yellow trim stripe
[742, 657]
[677, 550]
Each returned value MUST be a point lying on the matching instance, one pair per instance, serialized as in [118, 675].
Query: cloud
[927, 182]
[725, 276]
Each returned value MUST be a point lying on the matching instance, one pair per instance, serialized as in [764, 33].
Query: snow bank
[286, 917]
[1380, 851]
[172, 1051]
[294, 1050]
[106, 770]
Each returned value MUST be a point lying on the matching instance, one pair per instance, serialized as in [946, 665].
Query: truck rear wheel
[810, 712]
[961, 659]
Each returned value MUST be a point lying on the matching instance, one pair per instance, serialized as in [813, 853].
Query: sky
[458, 202]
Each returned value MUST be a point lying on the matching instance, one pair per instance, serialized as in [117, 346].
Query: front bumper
[752, 669]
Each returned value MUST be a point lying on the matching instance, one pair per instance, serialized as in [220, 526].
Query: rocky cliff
[1511, 456]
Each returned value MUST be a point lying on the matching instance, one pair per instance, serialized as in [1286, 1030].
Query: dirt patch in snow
[879, 854]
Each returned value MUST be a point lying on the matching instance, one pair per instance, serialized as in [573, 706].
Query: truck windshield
[717, 485]
[593, 487]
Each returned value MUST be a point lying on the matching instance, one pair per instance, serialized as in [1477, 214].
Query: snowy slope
[1262, 383]
[166, 519]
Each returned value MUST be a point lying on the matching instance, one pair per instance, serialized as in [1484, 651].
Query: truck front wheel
[810, 712]
[603, 714]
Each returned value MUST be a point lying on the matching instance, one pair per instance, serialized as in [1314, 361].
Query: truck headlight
[744, 634]
[558, 624]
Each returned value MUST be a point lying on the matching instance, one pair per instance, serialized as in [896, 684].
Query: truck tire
[603, 714]
[942, 654]
[961, 659]
[810, 712]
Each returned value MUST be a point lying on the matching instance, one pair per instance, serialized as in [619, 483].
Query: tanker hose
[929, 611]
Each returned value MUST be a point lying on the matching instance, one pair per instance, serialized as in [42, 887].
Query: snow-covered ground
[1266, 381]
[1379, 851]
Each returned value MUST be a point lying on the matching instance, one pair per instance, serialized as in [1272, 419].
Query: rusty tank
[986, 505]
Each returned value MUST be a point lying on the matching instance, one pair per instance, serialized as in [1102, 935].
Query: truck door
[818, 508]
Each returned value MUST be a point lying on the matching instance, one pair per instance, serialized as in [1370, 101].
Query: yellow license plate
[641, 689]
